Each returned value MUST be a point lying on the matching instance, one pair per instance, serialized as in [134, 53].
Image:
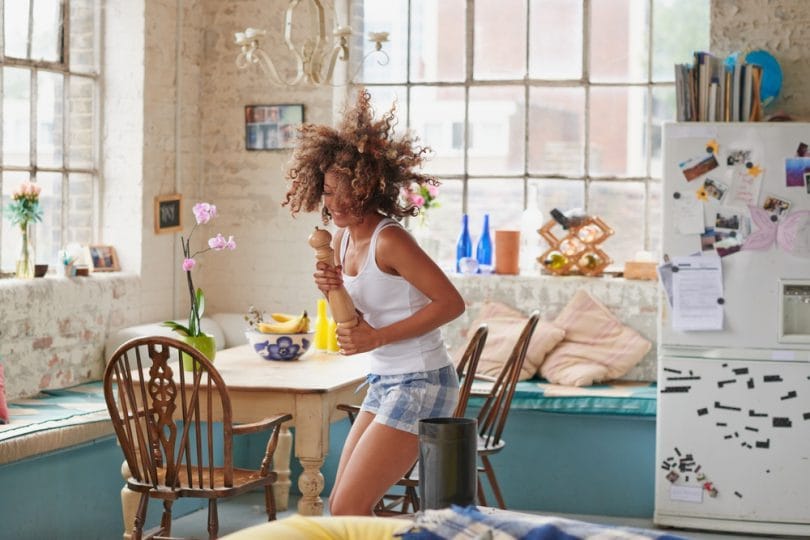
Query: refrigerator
[733, 422]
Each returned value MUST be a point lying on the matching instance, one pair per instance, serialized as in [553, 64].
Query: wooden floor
[248, 510]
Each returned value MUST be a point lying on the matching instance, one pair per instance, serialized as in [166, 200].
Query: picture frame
[102, 258]
[272, 127]
[168, 213]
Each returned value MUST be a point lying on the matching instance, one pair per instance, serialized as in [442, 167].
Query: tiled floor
[248, 510]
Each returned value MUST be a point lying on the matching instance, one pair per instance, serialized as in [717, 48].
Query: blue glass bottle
[464, 246]
[483, 251]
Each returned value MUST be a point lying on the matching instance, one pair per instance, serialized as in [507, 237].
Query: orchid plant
[203, 213]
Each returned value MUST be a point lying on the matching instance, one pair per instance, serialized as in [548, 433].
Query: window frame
[33, 169]
[648, 177]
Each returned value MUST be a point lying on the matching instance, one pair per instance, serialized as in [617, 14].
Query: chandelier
[315, 59]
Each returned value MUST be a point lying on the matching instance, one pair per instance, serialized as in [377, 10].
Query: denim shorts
[400, 401]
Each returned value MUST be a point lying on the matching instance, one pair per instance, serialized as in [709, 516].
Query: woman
[355, 175]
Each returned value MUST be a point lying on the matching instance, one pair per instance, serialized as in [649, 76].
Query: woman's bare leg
[380, 457]
[364, 418]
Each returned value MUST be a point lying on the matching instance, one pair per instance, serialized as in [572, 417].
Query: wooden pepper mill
[340, 302]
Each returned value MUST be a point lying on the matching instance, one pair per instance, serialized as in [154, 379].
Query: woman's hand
[359, 338]
[328, 278]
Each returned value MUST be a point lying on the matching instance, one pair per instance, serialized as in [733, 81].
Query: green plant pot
[205, 343]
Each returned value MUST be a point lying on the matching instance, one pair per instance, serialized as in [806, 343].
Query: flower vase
[423, 236]
[25, 263]
[205, 343]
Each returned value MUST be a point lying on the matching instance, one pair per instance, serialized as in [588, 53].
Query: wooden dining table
[309, 388]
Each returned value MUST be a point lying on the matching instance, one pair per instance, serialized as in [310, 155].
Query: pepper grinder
[340, 302]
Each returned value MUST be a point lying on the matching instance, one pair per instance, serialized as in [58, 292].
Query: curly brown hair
[365, 152]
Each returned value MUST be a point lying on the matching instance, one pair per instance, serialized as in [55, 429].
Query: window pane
[80, 209]
[555, 34]
[83, 36]
[437, 117]
[382, 97]
[618, 131]
[561, 194]
[497, 139]
[438, 40]
[47, 31]
[445, 222]
[11, 240]
[500, 39]
[49, 230]
[621, 206]
[15, 25]
[654, 221]
[50, 118]
[82, 125]
[392, 17]
[663, 108]
[16, 116]
[557, 131]
[501, 198]
[679, 28]
[619, 40]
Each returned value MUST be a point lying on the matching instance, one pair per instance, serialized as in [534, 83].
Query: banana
[295, 325]
[282, 317]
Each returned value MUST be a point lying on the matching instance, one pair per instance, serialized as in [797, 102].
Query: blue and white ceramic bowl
[282, 347]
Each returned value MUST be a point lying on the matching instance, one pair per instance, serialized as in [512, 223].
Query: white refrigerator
[733, 423]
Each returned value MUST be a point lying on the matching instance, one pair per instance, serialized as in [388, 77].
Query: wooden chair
[166, 429]
[408, 501]
[494, 411]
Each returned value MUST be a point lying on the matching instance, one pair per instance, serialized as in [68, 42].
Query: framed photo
[102, 258]
[168, 213]
[272, 127]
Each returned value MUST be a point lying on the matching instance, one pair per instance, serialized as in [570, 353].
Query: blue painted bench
[587, 450]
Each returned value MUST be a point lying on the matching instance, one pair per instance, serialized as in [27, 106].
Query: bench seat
[54, 419]
[634, 398]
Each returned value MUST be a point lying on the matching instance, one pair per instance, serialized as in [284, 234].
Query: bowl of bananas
[286, 337]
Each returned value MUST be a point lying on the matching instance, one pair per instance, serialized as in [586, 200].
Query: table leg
[129, 503]
[311, 485]
[281, 466]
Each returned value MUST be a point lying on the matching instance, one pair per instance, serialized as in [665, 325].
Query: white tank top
[385, 299]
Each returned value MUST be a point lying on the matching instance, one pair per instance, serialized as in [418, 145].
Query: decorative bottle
[531, 243]
[483, 250]
[321, 337]
[464, 245]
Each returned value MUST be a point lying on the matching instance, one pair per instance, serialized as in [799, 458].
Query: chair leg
[493, 482]
[166, 519]
[482, 498]
[140, 517]
[213, 519]
[269, 503]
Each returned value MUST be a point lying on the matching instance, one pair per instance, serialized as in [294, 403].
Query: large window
[49, 75]
[560, 100]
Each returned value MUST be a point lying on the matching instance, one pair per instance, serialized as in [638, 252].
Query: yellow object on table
[332, 341]
[321, 327]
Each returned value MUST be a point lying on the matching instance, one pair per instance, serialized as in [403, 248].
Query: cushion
[297, 526]
[597, 346]
[504, 326]
[3, 405]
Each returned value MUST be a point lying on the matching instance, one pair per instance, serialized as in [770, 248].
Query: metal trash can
[447, 462]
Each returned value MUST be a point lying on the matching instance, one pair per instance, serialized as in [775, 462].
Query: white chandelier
[315, 59]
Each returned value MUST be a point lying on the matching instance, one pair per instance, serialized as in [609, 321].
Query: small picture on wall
[272, 127]
[168, 213]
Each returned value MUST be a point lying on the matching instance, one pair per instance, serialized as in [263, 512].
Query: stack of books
[712, 90]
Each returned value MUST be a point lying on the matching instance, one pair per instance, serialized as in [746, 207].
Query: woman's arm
[399, 254]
